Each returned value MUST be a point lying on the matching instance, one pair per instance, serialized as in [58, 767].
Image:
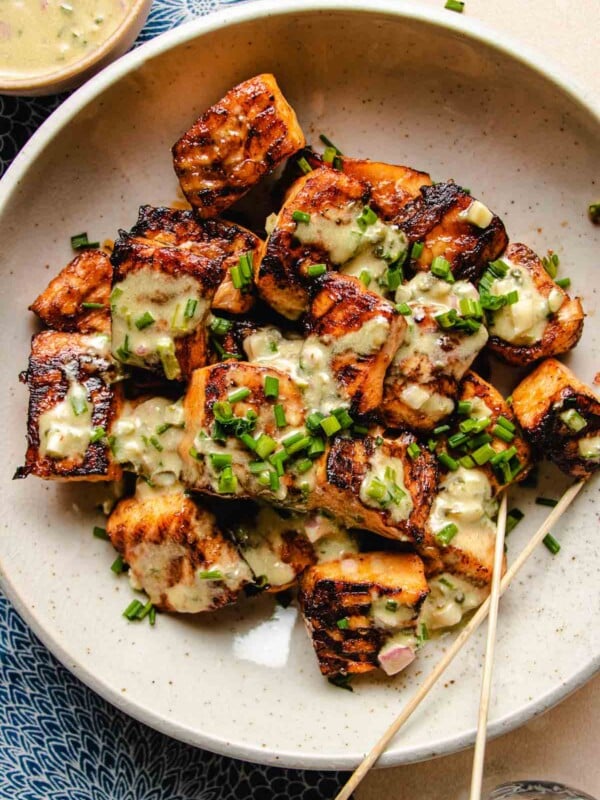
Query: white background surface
[563, 744]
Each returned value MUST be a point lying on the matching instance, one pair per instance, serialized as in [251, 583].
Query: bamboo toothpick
[458, 643]
[490, 647]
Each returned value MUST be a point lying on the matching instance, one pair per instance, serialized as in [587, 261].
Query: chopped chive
[256, 467]
[365, 277]
[466, 462]
[304, 465]
[478, 441]
[317, 446]
[503, 455]
[220, 460]
[551, 543]
[227, 481]
[330, 425]
[455, 5]
[132, 610]
[292, 438]
[341, 681]
[573, 420]
[169, 361]
[343, 417]
[403, 308]
[511, 298]
[274, 482]
[210, 574]
[220, 326]
[277, 460]
[152, 615]
[78, 404]
[313, 421]
[376, 489]
[100, 533]
[144, 321]
[506, 423]
[546, 501]
[464, 407]
[163, 427]
[498, 268]
[304, 165]
[279, 413]
[246, 262]
[97, 434]
[93, 305]
[514, 516]
[470, 307]
[417, 249]
[248, 440]
[118, 566]
[441, 429]
[432, 444]
[222, 411]
[423, 633]
[551, 263]
[502, 433]
[447, 319]
[329, 143]
[483, 454]
[360, 430]
[343, 624]
[447, 533]
[315, 270]
[190, 307]
[329, 155]
[457, 439]
[440, 267]
[156, 443]
[239, 394]
[80, 242]
[271, 386]
[366, 218]
[301, 216]
[391, 605]
[447, 461]
[144, 611]
[413, 450]
[594, 213]
[301, 444]
[265, 445]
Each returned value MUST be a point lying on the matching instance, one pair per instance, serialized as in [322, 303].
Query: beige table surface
[563, 744]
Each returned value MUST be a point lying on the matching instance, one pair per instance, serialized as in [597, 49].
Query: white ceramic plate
[385, 80]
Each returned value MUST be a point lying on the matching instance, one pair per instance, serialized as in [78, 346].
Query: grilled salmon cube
[326, 223]
[374, 483]
[220, 241]
[390, 186]
[73, 402]
[77, 298]
[353, 334]
[543, 321]
[176, 552]
[355, 606]
[235, 143]
[236, 442]
[279, 545]
[451, 224]
[421, 383]
[159, 303]
[560, 415]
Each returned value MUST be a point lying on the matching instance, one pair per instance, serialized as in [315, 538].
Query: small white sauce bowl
[73, 75]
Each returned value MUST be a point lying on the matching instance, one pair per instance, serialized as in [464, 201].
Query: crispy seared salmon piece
[373, 483]
[560, 416]
[356, 333]
[176, 553]
[77, 298]
[451, 224]
[544, 321]
[159, 303]
[421, 383]
[390, 186]
[353, 607]
[231, 425]
[218, 240]
[72, 405]
[282, 278]
[235, 143]
[279, 545]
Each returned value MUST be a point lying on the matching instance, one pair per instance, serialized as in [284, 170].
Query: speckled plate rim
[463, 26]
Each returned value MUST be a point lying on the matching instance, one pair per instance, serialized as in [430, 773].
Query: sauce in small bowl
[51, 45]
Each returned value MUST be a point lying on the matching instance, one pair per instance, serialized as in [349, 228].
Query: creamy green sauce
[450, 598]
[356, 249]
[385, 616]
[465, 499]
[38, 37]
[387, 472]
[150, 310]
[146, 439]
[479, 409]
[65, 429]
[525, 321]
[589, 447]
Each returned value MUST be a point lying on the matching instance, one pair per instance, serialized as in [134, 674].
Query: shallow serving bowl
[385, 80]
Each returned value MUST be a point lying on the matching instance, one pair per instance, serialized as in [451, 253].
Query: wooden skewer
[458, 643]
[490, 647]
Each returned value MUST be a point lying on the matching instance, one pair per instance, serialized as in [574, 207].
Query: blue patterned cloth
[60, 741]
